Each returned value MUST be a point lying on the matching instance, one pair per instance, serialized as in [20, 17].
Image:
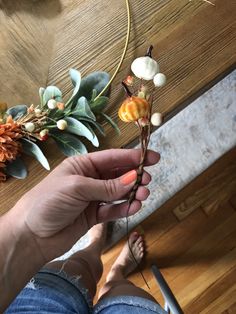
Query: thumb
[107, 190]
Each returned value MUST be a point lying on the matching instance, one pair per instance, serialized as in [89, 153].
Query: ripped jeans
[53, 292]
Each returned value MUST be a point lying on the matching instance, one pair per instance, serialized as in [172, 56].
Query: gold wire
[124, 50]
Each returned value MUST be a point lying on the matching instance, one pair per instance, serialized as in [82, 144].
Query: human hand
[79, 194]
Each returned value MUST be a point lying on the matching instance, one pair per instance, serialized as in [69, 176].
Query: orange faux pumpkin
[133, 108]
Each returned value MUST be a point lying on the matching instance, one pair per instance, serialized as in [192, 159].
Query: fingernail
[155, 157]
[129, 177]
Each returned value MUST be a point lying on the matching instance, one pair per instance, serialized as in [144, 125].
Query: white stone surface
[189, 143]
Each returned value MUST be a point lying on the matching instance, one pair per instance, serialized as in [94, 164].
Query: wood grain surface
[41, 40]
[196, 252]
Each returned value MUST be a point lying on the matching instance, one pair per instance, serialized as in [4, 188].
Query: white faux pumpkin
[145, 68]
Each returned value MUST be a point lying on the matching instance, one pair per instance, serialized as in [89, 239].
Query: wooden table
[195, 43]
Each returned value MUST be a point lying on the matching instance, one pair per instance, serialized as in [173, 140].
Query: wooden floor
[192, 239]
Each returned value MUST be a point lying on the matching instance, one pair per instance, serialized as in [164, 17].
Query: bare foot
[125, 262]
[97, 235]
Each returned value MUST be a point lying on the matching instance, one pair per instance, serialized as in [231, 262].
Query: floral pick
[137, 108]
[22, 128]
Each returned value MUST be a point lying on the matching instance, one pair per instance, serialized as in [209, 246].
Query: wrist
[20, 260]
[23, 237]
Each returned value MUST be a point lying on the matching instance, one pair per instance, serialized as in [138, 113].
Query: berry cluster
[137, 106]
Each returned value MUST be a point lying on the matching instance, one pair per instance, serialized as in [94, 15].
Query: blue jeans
[52, 292]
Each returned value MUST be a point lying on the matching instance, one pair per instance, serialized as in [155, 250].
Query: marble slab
[189, 143]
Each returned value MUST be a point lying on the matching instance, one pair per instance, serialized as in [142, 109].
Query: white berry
[52, 104]
[145, 68]
[30, 127]
[43, 132]
[62, 124]
[156, 119]
[159, 80]
[37, 112]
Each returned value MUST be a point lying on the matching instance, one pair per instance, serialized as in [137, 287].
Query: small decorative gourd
[133, 109]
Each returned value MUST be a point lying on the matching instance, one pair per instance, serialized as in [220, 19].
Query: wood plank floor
[192, 239]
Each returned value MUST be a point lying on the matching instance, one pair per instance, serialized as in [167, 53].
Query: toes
[140, 239]
[139, 255]
[133, 237]
[140, 243]
[140, 246]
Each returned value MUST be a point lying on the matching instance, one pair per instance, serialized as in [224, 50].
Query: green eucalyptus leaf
[82, 109]
[99, 104]
[17, 111]
[41, 92]
[94, 94]
[52, 92]
[76, 80]
[32, 149]
[76, 127]
[111, 122]
[95, 124]
[68, 143]
[96, 80]
[94, 140]
[16, 169]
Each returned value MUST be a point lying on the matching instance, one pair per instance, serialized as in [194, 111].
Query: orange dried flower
[129, 80]
[60, 105]
[10, 147]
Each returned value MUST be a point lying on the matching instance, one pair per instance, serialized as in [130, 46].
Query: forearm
[19, 257]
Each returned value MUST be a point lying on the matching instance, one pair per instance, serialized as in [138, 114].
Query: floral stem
[50, 126]
[128, 92]
[145, 133]
[149, 52]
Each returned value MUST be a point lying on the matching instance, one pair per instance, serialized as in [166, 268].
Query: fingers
[89, 189]
[112, 212]
[110, 190]
[120, 158]
[142, 193]
[117, 172]
[146, 178]
[108, 212]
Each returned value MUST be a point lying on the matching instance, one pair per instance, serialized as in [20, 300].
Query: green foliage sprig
[66, 122]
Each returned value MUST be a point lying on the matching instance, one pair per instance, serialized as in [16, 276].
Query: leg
[87, 262]
[116, 282]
